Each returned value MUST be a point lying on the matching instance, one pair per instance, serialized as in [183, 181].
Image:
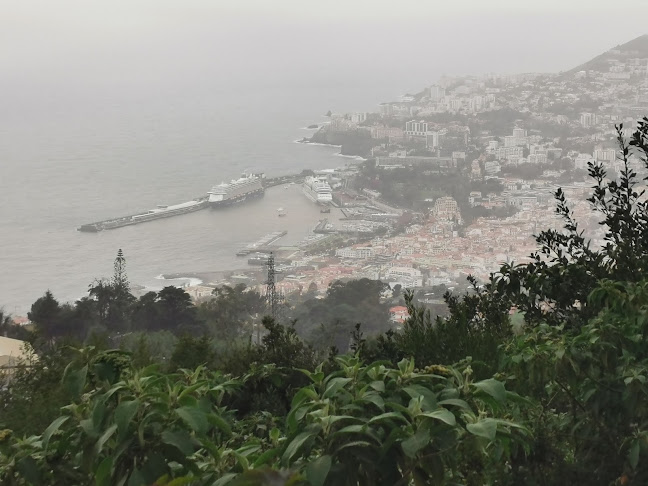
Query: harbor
[151, 215]
[201, 202]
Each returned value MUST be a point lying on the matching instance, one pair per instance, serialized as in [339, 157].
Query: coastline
[253, 275]
[308, 142]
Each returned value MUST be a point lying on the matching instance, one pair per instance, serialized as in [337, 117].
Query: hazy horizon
[90, 49]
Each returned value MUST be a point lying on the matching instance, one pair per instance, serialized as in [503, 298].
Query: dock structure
[263, 244]
[151, 215]
[323, 227]
[164, 211]
[277, 181]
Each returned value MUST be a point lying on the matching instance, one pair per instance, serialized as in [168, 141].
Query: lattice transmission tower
[274, 298]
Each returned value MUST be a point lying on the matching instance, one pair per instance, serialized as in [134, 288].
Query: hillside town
[456, 180]
[521, 136]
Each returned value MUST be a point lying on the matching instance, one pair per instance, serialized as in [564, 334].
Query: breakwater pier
[164, 211]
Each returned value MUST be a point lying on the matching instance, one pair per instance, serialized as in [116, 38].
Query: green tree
[344, 305]
[31, 396]
[146, 313]
[190, 352]
[113, 297]
[589, 384]
[45, 313]
[177, 312]
[232, 312]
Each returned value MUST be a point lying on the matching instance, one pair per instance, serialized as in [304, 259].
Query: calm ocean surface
[72, 160]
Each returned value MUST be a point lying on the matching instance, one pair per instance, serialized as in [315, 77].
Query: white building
[605, 155]
[432, 139]
[416, 128]
[519, 133]
[358, 117]
[492, 167]
[507, 152]
[436, 92]
[446, 208]
[356, 253]
[406, 276]
[537, 159]
[588, 119]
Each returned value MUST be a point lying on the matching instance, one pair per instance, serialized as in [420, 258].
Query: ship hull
[314, 196]
[237, 199]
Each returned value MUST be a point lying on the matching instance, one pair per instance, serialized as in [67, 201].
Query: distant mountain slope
[636, 48]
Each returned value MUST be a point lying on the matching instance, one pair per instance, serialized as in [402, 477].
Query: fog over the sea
[70, 46]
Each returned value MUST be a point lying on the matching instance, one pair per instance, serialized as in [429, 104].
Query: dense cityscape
[450, 182]
[457, 179]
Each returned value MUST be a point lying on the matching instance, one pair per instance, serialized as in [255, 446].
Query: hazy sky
[162, 44]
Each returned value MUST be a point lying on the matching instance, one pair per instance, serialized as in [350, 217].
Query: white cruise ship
[238, 190]
[317, 189]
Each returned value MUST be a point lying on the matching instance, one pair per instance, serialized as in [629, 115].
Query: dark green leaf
[74, 381]
[376, 399]
[416, 442]
[429, 397]
[136, 479]
[180, 439]
[154, 467]
[302, 395]
[264, 458]
[195, 418]
[295, 445]
[455, 401]
[104, 438]
[225, 479]
[356, 443]
[486, 428]
[220, 423]
[29, 470]
[334, 385]
[633, 455]
[124, 413]
[317, 470]
[103, 472]
[51, 430]
[388, 416]
[493, 387]
[443, 415]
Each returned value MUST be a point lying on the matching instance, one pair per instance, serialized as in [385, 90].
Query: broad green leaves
[422, 415]
[416, 442]
[359, 424]
[195, 418]
[317, 471]
[486, 428]
[493, 388]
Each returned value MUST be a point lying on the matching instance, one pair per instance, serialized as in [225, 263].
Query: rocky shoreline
[356, 144]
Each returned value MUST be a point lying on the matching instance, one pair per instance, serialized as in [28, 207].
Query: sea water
[69, 161]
